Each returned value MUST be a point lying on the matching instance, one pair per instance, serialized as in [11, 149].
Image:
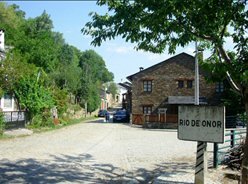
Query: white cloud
[118, 49]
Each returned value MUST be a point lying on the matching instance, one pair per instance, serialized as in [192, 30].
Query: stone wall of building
[165, 78]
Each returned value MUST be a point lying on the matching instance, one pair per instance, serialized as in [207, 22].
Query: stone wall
[165, 76]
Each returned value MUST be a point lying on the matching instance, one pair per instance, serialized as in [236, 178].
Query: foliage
[11, 19]
[42, 70]
[13, 70]
[43, 119]
[95, 74]
[157, 25]
[94, 67]
[93, 100]
[33, 96]
[61, 100]
[2, 122]
[112, 88]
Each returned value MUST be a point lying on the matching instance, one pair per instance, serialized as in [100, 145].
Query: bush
[2, 123]
[42, 120]
[61, 100]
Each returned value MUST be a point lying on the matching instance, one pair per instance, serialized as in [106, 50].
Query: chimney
[1, 39]
[141, 68]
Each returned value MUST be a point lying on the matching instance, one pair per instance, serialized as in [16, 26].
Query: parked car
[121, 116]
[102, 113]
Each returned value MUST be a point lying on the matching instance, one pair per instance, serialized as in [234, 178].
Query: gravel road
[97, 152]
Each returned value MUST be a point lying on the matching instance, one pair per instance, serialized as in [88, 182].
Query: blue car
[121, 116]
[102, 113]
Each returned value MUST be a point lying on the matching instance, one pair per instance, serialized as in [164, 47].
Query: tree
[112, 88]
[158, 25]
[11, 19]
[94, 75]
[92, 62]
[33, 96]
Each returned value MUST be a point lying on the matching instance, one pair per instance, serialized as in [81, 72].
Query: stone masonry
[165, 77]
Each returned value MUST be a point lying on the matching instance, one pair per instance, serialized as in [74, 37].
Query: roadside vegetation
[42, 71]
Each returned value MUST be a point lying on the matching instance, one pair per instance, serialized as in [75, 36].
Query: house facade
[6, 101]
[157, 91]
[126, 102]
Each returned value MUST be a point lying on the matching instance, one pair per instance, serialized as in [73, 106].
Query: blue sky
[69, 17]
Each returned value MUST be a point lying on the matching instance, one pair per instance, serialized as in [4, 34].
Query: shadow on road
[82, 169]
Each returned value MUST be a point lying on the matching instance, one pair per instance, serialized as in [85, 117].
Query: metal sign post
[202, 124]
[201, 156]
[201, 162]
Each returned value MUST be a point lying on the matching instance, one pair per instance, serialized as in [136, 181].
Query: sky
[69, 17]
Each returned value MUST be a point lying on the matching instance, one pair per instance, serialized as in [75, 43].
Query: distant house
[157, 91]
[105, 96]
[126, 96]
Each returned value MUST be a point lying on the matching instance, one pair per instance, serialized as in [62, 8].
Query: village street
[97, 152]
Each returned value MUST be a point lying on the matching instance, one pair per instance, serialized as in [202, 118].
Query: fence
[14, 119]
[232, 138]
[140, 119]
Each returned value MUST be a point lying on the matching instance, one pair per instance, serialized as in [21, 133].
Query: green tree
[94, 74]
[12, 71]
[39, 45]
[158, 25]
[33, 96]
[112, 88]
[93, 100]
[11, 19]
[94, 65]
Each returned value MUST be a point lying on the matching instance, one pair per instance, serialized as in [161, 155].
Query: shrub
[2, 123]
[42, 120]
[61, 100]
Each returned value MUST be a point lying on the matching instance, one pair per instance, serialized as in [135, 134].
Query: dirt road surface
[97, 152]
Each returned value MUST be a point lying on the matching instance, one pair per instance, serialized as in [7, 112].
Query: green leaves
[33, 96]
[41, 70]
[158, 25]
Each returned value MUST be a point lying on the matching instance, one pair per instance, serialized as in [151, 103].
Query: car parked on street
[102, 113]
[121, 116]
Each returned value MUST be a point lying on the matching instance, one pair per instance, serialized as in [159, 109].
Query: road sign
[201, 123]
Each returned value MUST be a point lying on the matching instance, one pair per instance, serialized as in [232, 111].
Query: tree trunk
[244, 177]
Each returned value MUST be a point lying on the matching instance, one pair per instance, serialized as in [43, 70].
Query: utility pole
[196, 76]
[201, 156]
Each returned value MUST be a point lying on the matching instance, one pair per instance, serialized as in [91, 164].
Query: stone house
[158, 90]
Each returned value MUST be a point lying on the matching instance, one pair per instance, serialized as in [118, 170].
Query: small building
[126, 96]
[6, 101]
[157, 91]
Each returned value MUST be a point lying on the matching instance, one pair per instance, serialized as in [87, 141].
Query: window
[189, 83]
[7, 102]
[219, 87]
[180, 84]
[147, 109]
[147, 85]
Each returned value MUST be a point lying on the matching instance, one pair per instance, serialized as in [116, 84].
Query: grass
[63, 124]
[66, 123]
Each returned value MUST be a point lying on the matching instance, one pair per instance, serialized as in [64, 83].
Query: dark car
[121, 116]
[102, 113]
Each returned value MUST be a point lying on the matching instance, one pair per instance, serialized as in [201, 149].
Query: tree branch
[234, 85]
[224, 54]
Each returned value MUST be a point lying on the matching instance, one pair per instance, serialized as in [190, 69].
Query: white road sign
[201, 123]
